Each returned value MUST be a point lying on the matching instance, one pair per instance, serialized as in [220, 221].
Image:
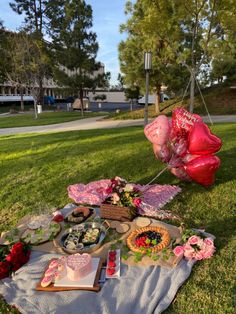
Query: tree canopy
[75, 47]
[181, 36]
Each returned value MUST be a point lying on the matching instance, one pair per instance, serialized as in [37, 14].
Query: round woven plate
[42, 234]
[165, 239]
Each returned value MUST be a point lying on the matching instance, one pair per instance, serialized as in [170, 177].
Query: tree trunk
[192, 89]
[35, 109]
[21, 100]
[41, 93]
[131, 105]
[158, 99]
[81, 101]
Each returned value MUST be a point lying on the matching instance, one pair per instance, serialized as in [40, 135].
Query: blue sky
[107, 16]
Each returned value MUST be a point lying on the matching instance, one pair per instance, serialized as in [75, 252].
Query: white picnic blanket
[139, 290]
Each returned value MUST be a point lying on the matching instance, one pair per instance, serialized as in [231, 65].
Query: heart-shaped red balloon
[183, 121]
[202, 141]
[202, 169]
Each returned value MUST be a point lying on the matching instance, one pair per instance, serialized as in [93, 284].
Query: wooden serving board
[96, 287]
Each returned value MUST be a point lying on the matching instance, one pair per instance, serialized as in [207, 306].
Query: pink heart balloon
[202, 141]
[158, 131]
[180, 173]
[162, 152]
[202, 169]
[183, 121]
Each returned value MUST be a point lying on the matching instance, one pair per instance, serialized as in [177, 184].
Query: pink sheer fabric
[154, 196]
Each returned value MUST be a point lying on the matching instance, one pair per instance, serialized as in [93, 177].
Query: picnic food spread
[154, 238]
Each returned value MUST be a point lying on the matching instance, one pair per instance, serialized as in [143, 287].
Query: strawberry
[111, 264]
[112, 253]
[110, 271]
[112, 258]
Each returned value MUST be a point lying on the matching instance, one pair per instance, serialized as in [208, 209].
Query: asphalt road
[95, 123]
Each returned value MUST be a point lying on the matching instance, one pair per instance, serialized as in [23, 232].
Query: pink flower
[189, 252]
[208, 254]
[115, 198]
[137, 201]
[208, 242]
[178, 250]
[199, 255]
[193, 240]
[189, 255]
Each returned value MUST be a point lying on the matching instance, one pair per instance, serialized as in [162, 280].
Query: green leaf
[125, 256]
[155, 257]
[113, 247]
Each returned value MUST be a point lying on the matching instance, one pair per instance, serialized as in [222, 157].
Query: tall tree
[3, 52]
[143, 36]
[178, 33]
[224, 51]
[35, 23]
[75, 46]
[26, 64]
[35, 12]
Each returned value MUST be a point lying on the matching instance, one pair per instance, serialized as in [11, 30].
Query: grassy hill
[220, 100]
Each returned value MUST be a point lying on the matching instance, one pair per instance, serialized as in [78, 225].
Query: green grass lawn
[220, 100]
[45, 118]
[36, 170]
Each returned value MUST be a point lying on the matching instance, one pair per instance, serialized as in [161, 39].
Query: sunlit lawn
[36, 170]
[45, 118]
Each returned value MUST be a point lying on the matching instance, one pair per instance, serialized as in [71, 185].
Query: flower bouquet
[12, 257]
[195, 246]
[122, 201]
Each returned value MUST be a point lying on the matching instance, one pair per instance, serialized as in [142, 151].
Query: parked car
[152, 99]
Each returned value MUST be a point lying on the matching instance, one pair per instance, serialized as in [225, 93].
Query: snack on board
[91, 236]
[154, 238]
[78, 266]
[42, 234]
[78, 238]
[47, 280]
[79, 214]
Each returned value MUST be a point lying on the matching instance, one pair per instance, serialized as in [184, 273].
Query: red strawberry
[110, 271]
[112, 253]
[112, 258]
[111, 264]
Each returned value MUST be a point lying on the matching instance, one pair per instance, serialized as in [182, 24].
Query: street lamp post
[147, 67]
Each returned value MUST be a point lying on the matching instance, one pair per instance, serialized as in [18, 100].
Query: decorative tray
[79, 285]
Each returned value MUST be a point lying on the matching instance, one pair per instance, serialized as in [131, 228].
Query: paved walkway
[94, 123]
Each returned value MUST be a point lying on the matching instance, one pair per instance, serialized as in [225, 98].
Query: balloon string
[159, 173]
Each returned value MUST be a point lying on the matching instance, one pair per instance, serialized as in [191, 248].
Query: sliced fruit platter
[152, 238]
[41, 234]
